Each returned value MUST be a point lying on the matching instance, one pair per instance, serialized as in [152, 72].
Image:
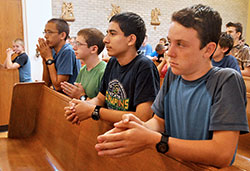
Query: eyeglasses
[77, 44]
[50, 32]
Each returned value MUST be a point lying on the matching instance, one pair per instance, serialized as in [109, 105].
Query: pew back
[8, 78]
[56, 143]
[243, 153]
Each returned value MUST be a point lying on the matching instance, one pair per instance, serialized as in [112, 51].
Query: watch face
[95, 115]
[162, 147]
[49, 62]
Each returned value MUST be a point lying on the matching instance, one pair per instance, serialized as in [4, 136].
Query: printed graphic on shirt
[116, 97]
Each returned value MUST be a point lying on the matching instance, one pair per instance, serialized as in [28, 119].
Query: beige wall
[94, 13]
[248, 25]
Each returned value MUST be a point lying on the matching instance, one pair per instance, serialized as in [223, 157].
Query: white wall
[35, 15]
[94, 13]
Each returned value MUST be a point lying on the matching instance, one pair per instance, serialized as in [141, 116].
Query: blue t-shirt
[153, 54]
[228, 61]
[192, 110]
[25, 68]
[146, 50]
[66, 62]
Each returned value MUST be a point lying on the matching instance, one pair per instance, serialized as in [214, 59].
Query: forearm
[216, 152]
[46, 77]
[8, 63]
[112, 115]
[54, 77]
[206, 152]
[143, 112]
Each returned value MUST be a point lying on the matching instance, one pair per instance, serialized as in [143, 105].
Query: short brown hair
[206, 21]
[159, 47]
[93, 37]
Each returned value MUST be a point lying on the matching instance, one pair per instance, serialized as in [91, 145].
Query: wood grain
[8, 78]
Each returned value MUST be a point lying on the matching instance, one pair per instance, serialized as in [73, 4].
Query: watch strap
[164, 137]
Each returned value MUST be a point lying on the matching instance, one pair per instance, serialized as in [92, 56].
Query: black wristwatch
[162, 146]
[96, 115]
[50, 61]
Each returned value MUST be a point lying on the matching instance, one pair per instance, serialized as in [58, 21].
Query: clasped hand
[44, 49]
[78, 111]
[129, 136]
[9, 52]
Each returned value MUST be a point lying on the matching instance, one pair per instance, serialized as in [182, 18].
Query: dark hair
[61, 26]
[131, 23]
[206, 21]
[164, 40]
[226, 41]
[237, 26]
[159, 47]
[93, 37]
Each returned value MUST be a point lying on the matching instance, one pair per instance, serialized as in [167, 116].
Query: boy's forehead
[80, 38]
[114, 26]
[50, 25]
[179, 32]
[231, 28]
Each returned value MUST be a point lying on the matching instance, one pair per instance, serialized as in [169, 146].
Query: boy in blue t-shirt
[21, 62]
[59, 60]
[221, 57]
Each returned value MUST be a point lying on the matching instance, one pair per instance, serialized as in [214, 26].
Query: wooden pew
[243, 153]
[40, 138]
[8, 78]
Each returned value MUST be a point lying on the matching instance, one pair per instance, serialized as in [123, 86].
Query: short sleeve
[65, 63]
[147, 85]
[21, 60]
[228, 111]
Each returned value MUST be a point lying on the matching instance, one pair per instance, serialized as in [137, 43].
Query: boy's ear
[224, 49]
[131, 40]
[63, 35]
[238, 34]
[94, 49]
[209, 49]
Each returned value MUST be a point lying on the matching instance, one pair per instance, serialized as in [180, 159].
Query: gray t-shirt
[194, 109]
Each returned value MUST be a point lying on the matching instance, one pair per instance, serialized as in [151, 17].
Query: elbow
[57, 87]
[223, 159]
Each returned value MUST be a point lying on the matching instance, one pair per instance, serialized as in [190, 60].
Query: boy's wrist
[155, 138]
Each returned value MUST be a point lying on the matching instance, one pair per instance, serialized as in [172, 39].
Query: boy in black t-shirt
[130, 82]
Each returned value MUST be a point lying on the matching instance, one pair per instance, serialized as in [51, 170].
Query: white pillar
[35, 15]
